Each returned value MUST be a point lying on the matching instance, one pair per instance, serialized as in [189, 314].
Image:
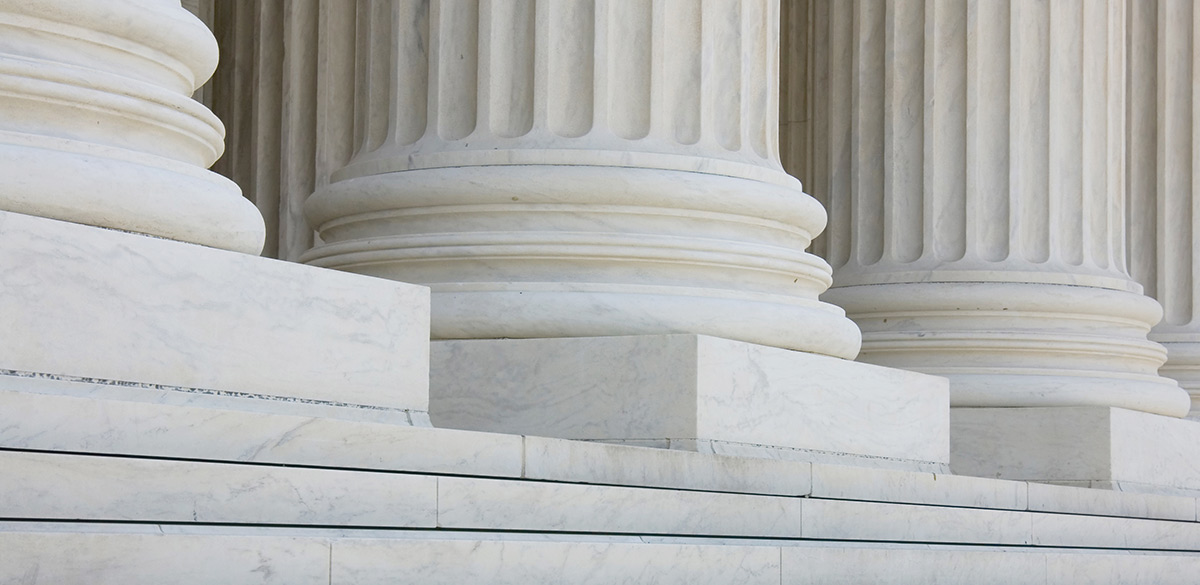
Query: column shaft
[973, 167]
[577, 168]
[1163, 174]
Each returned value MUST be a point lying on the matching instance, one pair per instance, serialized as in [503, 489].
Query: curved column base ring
[576, 251]
[1183, 364]
[1014, 344]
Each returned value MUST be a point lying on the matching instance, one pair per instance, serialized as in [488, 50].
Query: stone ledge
[70, 554]
[53, 422]
[42, 487]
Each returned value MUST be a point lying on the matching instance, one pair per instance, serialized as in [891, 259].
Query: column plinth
[97, 125]
[571, 169]
[972, 159]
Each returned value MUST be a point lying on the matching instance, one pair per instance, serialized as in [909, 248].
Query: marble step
[67, 554]
[154, 426]
[39, 486]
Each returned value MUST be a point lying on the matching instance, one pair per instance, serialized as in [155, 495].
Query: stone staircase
[138, 490]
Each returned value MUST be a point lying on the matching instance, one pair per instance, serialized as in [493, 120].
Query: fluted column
[1164, 119]
[579, 167]
[97, 125]
[972, 157]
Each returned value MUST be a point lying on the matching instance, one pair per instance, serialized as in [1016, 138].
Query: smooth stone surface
[44, 486]
[600, 463]
[894, 565]
[1125, 569]
[1117, 533]
[435, 562]
[1078, 444]
[99, 304]
[52, 422]
[513, 505]
[688, 387]
[846, 482]
[790, 454]
[845, 520]
[1101, 502]
[135, 559]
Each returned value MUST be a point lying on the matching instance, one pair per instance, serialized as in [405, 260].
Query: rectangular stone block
[1099, 502]
[45, 486]
[85, 302]
[491, 504]
[604, 463]
[909, 565]
[50, 422]
[433, 562]
[691, 392]
[56, 558]
[845, 520]
[846, 482]
[1102, 447]
[1114, 533]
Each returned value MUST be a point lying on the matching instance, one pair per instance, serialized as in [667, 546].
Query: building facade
[533, 291]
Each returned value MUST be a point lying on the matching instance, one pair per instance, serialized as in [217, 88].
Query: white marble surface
[894, 565]
[97, 125]
[87, 302]
[1105, 568]
[1107, 502]
[1077, 444]
[1115, 533]
[558, 205]
[1161, 193]
[43, 486]
[688, 387]
[89, 425]
[600, 463]
[151, 559]
[434, 562]
[494, 504]
[845, 520]
[972, 162]
[847, 482]
[227, 555]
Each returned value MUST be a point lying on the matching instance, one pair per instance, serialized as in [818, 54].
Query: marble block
[693, 392]
[97, 305]
[1099, 447]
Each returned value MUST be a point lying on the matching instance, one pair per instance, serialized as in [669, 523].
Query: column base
[693, 392]
[1099, 447]
[91, 311]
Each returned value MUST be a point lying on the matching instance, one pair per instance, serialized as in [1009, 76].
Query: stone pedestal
[1105, 448]
[111, 315]
[695, 393]
[579, 168]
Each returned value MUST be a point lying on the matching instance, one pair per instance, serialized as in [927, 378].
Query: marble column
[572, 168]
[972, 158]
[97, 125]
[1163, 143]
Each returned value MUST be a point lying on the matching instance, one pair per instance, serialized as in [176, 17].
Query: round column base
[1013, 344]
[1183, 363]
[527, 251]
